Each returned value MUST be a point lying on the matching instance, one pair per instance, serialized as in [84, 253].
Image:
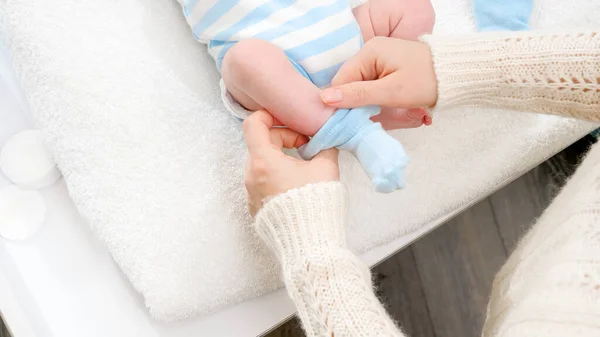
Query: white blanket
[130, 105]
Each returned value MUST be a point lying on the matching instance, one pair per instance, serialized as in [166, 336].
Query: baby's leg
[259, 75]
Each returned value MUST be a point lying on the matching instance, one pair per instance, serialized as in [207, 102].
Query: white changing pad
[130, 105]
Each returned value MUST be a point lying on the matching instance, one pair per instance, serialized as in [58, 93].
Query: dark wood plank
[519, 204]
[400, 290]
[457, 264]
[291, 328]
[3, 329]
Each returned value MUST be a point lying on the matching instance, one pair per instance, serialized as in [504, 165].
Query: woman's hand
[389, 72]
[269, 171]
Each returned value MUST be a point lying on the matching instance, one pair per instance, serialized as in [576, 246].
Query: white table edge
[11, 311]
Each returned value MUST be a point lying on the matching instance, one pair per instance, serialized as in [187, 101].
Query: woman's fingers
[351, 95]
[287, 138]
[269, 171]
[260, 134]
[328, 155]
[389, 72]
[327, 161]
[360, 67]
[257, 130]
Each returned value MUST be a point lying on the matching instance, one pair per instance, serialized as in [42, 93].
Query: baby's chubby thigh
[259, 75]
[240, 71]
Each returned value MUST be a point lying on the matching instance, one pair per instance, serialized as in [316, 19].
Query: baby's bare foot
[393, 118]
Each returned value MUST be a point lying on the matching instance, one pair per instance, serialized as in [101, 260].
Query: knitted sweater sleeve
[527, 71]
[329, 285]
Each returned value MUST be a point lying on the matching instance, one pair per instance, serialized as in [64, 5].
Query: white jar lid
[22, 212]
[26, 161]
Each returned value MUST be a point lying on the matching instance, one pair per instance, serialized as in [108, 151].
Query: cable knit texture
[524, 71]
[550, 285]
[330, 286]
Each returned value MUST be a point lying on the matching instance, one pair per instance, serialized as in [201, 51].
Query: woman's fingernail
[332, 95]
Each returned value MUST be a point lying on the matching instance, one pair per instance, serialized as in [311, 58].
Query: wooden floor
[3, 329]
[439, 286]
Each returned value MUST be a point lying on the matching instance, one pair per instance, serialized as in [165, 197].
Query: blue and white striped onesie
[317, 36]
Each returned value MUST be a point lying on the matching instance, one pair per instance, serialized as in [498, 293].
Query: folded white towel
[130, 103]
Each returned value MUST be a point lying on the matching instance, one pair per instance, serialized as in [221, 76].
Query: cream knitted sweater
[550, 285]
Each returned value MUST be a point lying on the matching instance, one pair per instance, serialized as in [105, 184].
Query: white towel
[130, 103]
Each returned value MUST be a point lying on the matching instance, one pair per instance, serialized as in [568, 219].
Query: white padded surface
[130, 104]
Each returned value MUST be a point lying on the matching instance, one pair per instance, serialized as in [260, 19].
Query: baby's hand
[415, 18]
[401, 19]
[418, 18]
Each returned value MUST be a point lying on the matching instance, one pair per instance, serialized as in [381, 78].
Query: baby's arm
[260, 76]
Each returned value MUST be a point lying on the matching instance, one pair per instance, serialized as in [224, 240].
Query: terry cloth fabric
[130, 103]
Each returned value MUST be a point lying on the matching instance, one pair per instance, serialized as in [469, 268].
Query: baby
[277, 54]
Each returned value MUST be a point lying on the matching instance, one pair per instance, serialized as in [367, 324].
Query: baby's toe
[427, 119]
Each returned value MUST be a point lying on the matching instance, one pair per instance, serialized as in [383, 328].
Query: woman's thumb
[328, 161]
[328, 155]
[356, 94]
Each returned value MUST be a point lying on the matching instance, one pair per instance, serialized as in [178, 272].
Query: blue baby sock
[494, 15]
[381, 156]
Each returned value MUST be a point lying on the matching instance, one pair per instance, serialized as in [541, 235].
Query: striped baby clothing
[316, 35]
